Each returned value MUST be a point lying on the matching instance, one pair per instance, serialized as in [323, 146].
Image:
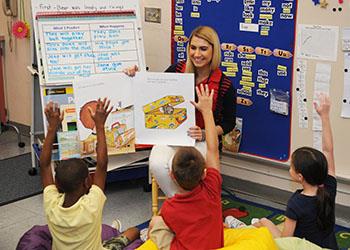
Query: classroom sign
[257, 46]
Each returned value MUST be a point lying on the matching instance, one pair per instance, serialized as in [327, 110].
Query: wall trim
[273, 175]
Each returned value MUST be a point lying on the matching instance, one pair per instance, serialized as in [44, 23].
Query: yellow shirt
[78, 226]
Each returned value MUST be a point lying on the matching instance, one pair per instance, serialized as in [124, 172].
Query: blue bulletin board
[257, 41]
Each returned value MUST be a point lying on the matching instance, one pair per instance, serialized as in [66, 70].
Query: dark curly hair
[70, 174]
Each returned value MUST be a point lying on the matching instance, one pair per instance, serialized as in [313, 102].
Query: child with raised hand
[310, 211]
[192, 218]
[73, 203]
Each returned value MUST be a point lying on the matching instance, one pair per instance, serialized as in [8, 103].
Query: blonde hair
[208, 34]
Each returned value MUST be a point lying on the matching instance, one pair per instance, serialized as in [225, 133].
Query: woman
[203, 59]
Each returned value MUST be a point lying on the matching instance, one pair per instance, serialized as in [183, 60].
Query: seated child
[73, 203]
[310, 211]
[194, 214]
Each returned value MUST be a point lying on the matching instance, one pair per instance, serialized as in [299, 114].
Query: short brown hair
[208, 34]
[188, 166]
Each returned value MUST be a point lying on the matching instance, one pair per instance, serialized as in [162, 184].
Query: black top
[303, 209]
[225, 110]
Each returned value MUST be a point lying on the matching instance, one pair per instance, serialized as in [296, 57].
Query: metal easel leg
[7, 125]
[21, 144]
[33, 170]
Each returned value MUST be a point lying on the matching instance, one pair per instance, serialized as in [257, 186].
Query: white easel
[55, 8]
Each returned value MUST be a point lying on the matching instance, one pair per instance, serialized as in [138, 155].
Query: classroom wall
[18, 80]
[157, 36]
[340, 125]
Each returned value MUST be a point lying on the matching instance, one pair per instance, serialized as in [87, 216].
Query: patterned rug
[246, 210]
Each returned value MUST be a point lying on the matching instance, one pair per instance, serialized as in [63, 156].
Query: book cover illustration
[67, 144]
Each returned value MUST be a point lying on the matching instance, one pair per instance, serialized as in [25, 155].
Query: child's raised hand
[53, 115]
[324, 105]
[101, 113]
[205, 98]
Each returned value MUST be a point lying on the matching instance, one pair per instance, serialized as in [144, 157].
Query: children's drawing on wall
[120, 132]
[232, 140]
[313, 39]
[163, 112]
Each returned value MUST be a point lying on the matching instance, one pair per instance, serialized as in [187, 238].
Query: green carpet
[254, 210]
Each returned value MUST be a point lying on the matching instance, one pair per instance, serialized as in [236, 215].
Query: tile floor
[125, 200]
[8, 144]
[16, 218]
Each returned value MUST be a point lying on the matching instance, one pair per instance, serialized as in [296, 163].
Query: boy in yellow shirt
[73, 204]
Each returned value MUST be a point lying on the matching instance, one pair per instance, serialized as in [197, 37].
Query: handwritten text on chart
[85, 7]
[83, 48]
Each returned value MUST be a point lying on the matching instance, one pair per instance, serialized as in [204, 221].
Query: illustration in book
[119, 129]
[119, 126]
[163, 111]
[161, 114]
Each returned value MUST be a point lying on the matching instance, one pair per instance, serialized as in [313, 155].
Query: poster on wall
[119, 126]
[163, 112]
[313, 39]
